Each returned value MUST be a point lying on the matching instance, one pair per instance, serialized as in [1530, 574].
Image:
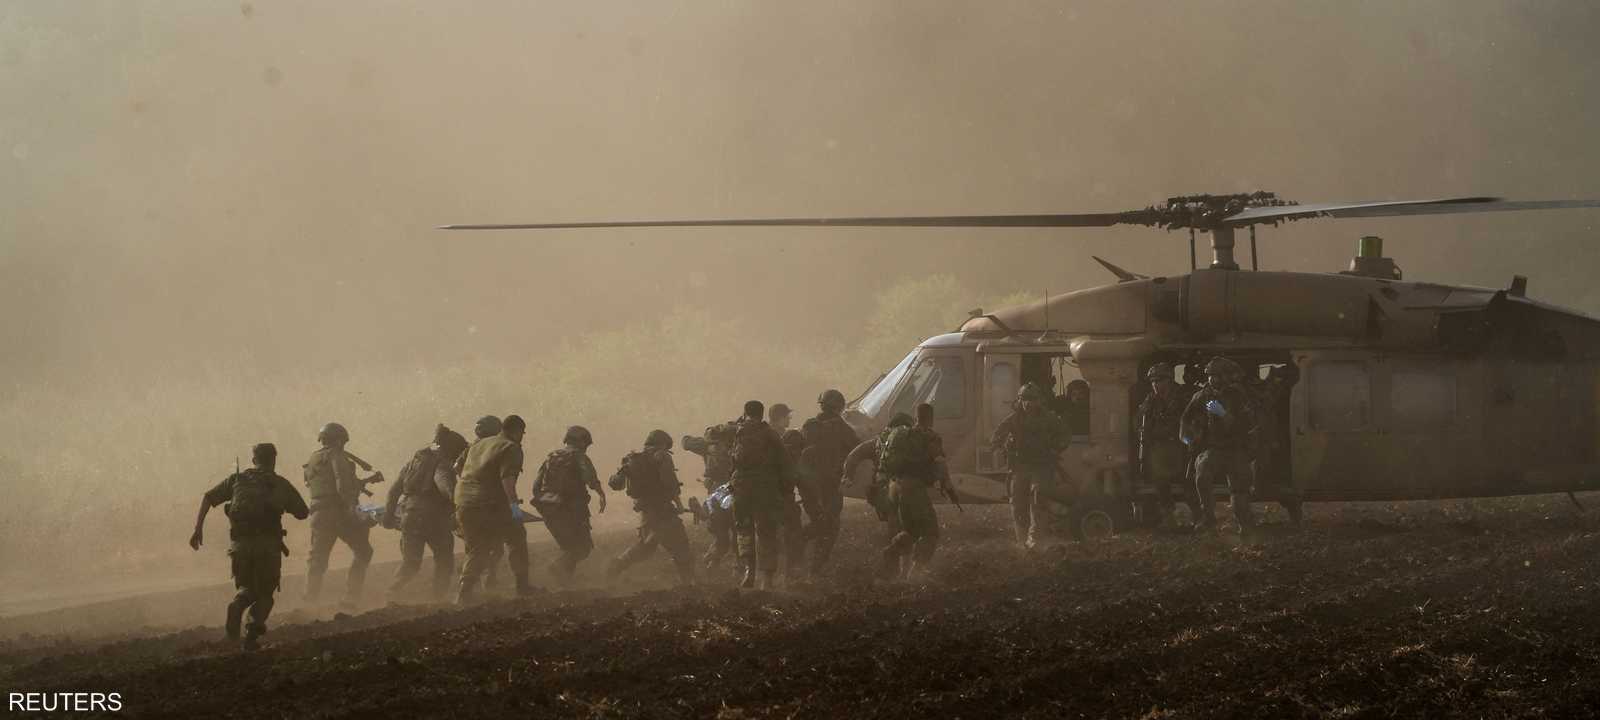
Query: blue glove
[516, 512]
[1215, 408]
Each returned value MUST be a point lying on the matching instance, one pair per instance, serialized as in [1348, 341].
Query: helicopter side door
[1336, 448]
[1002, 377]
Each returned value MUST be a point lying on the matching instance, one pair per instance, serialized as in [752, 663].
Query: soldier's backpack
[754, 447]
[641, 475]
[558, 480]
[417, 476]
[905, 452]
[719, 447]
[251, 508]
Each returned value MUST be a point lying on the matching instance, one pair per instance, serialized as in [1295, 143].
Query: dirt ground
[1452, 609]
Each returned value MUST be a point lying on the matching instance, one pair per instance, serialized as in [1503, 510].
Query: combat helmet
[488, 426]
[1221, 368]
[901, 419]
[1030, 392]
[831, 398]
[333, 433]
[579, 435]
[660, 439]
[1160, 371]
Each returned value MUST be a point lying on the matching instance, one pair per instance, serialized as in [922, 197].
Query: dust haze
[215, 219]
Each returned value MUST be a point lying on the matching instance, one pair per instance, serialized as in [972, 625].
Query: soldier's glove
[516, 511]
[1216, 409]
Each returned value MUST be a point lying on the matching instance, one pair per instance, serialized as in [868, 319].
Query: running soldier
[335, 492]
[488, 511]
[715, 447]
[913, 460]
[649, 477]
[829, 439]
[794, 532]
[561, 493]
[421, 506]
[1218, 425]
[256, 501]
[1032, 437]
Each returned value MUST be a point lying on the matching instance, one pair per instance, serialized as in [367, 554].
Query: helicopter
[1405, 390]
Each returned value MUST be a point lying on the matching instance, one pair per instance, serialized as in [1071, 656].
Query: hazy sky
[193, 184]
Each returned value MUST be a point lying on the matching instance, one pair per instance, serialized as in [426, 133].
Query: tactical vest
[907, 452]
[560, 479]
[252, 510]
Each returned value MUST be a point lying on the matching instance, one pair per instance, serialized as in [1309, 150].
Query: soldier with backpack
[761, 470]
[912, 458]
[830, 440]
[335, 492]
[561, 493]
[421, 507]
[255, 501]
[715, 447]
[488, 511]
[1219, 426]
[649, 477]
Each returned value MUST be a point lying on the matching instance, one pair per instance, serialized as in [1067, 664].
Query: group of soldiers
[774, 493]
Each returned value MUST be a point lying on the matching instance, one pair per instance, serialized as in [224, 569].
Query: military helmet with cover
[659, 439]
[901, 419]
[332, 433]
[1160, 371]
[1030, 392]
[578, 435]
[488, 426]
[831, 398]
[1221, 368]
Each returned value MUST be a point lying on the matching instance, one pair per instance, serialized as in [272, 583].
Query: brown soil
[1484, 609]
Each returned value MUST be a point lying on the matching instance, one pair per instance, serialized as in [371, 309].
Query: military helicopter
[1405, 391]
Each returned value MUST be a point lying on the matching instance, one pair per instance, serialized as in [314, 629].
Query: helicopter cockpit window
[875, 399]
[938, 380]
[1340, 396]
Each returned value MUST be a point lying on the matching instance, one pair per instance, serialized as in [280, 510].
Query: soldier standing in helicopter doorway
[1163, 458]
[1031, 437]
[335, 492]
[1218, 426]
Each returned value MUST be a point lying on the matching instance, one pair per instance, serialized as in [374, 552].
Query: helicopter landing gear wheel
[1099, 518]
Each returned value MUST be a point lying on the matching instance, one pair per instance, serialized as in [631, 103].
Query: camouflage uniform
[255, 547]
[830, 441]
[716, 448]
[657, 501]
[908, 500]
[1223, 443]
[1163, 458]
[335, 492]
[484, 515]
[422, 501]
[761, 471]
[1032, 437]
[561, 493]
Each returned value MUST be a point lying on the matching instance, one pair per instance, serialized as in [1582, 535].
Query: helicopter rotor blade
[1397, 208]
[952, 221]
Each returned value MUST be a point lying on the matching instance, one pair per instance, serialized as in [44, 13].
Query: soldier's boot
[1240, 504]
[235, 617]
[467, 592]
[252, 636]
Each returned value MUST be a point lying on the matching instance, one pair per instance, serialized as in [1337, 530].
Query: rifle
[949, 490]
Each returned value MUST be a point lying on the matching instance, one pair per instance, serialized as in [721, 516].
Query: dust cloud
[215, 220]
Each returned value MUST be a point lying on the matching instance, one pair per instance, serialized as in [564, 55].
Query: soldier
[256, 501]
[1163, 458]
[1032, 437]
[760, 466]
[561, 493]
[1217, 425]
[488, 511]
[1270, 467]
[715, 448]
[335, 491]
[829, 439]
[486, 427]
[421, 506]
[649, 477]
[794, 533]
[1074, 407]
[912, 458]
[878, 492]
